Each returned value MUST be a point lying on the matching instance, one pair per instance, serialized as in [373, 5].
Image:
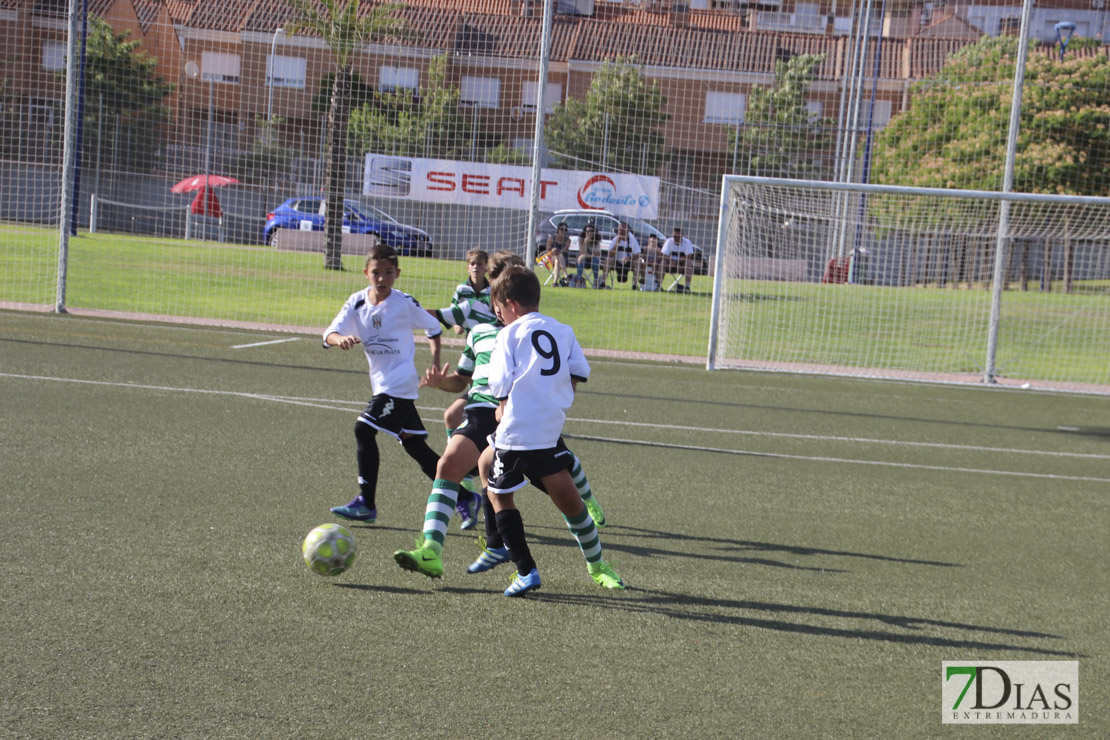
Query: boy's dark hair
[516, 283]
[477, 254]
[501, 260]
[382, 251]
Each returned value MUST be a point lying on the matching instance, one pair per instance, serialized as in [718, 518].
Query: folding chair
[547, 262]
[581, 279]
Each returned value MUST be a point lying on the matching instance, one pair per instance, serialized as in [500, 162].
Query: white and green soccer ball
[329, 549]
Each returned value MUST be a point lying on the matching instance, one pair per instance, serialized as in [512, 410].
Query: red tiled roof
[221, 15]
[496, 28]
[146, 11]
[179, 10]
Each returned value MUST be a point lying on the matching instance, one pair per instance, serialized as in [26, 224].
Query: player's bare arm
[438, 377]
[335, 339]
[434, 344]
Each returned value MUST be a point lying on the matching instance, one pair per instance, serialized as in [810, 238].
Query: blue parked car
[307, 214]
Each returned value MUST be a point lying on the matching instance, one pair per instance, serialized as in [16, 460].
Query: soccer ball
[329, 549]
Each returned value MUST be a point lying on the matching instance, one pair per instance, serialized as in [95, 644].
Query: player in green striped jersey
[476, 285]
[469, 307]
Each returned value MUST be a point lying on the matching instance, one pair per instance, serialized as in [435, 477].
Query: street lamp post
[270, 99]
[1064, 30]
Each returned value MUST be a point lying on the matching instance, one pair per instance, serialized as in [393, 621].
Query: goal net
[891, 282]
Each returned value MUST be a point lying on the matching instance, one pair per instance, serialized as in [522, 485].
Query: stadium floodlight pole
[1007, 187]
[856, 99]
[537, 142]
[270, 97]
[69, 152]
[1064, 30]
[192, 71]
[208, 142]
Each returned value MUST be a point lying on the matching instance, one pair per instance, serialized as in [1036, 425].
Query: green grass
[1047, 336]
[787, 578]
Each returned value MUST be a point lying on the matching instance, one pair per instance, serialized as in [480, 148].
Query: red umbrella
[206, 203]
[198, 182]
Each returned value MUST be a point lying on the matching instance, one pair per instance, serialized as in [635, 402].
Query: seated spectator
[558, 244]
[651, 267]
[589, 254]
[623, 257]
[678, 253]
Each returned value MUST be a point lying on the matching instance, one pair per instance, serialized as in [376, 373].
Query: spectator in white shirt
[623, 256]
[678, 254]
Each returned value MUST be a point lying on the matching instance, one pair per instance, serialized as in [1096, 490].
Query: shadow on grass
[1103, 432]
[758, 614]
[717, 548]
[535, 538]
[748, 545]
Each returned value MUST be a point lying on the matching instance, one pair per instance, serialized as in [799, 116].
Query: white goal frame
[845, 211]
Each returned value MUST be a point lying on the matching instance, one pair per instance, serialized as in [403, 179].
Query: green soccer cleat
[596, 513]
[422, 560]
[605, 576]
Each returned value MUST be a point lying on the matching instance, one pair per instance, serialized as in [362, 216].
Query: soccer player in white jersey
[534, 366]
[383, 320]
[464, 448]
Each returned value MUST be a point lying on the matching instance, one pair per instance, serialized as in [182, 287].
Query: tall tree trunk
[335, 177]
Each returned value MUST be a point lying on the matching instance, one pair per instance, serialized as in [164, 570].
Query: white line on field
[865, 440]
[346, 406]
[815, 458]
[262, 344]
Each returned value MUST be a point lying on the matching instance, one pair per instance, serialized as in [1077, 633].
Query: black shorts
[513, 469]
[394, 416]
[477, 424]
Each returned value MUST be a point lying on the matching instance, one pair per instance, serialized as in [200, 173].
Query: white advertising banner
[508, 186]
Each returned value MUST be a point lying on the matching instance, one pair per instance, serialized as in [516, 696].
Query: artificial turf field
[801, 552]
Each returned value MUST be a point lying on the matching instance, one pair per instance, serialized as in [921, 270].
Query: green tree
[954, 133]
[345, 30]
[124, 114]
[267, 157]
[780, 136]
[615, 128]
[431, 124]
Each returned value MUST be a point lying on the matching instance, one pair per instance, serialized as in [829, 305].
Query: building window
[553, 95]
[286, 71]
[814, 107]
[880, 116]
[724, 107]
[54, 55]
[481, 91]
[220, 67]
[396, 78]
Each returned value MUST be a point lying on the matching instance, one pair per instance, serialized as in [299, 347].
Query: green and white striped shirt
[465, 292]
[468, 314]
[475, 364]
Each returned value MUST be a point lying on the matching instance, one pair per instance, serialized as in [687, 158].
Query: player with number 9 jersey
[537, 358]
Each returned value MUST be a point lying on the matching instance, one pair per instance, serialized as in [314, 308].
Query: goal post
[900, 282]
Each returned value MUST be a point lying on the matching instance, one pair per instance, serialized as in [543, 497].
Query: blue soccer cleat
[489, 559]
[356, 511]
[523, 584]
